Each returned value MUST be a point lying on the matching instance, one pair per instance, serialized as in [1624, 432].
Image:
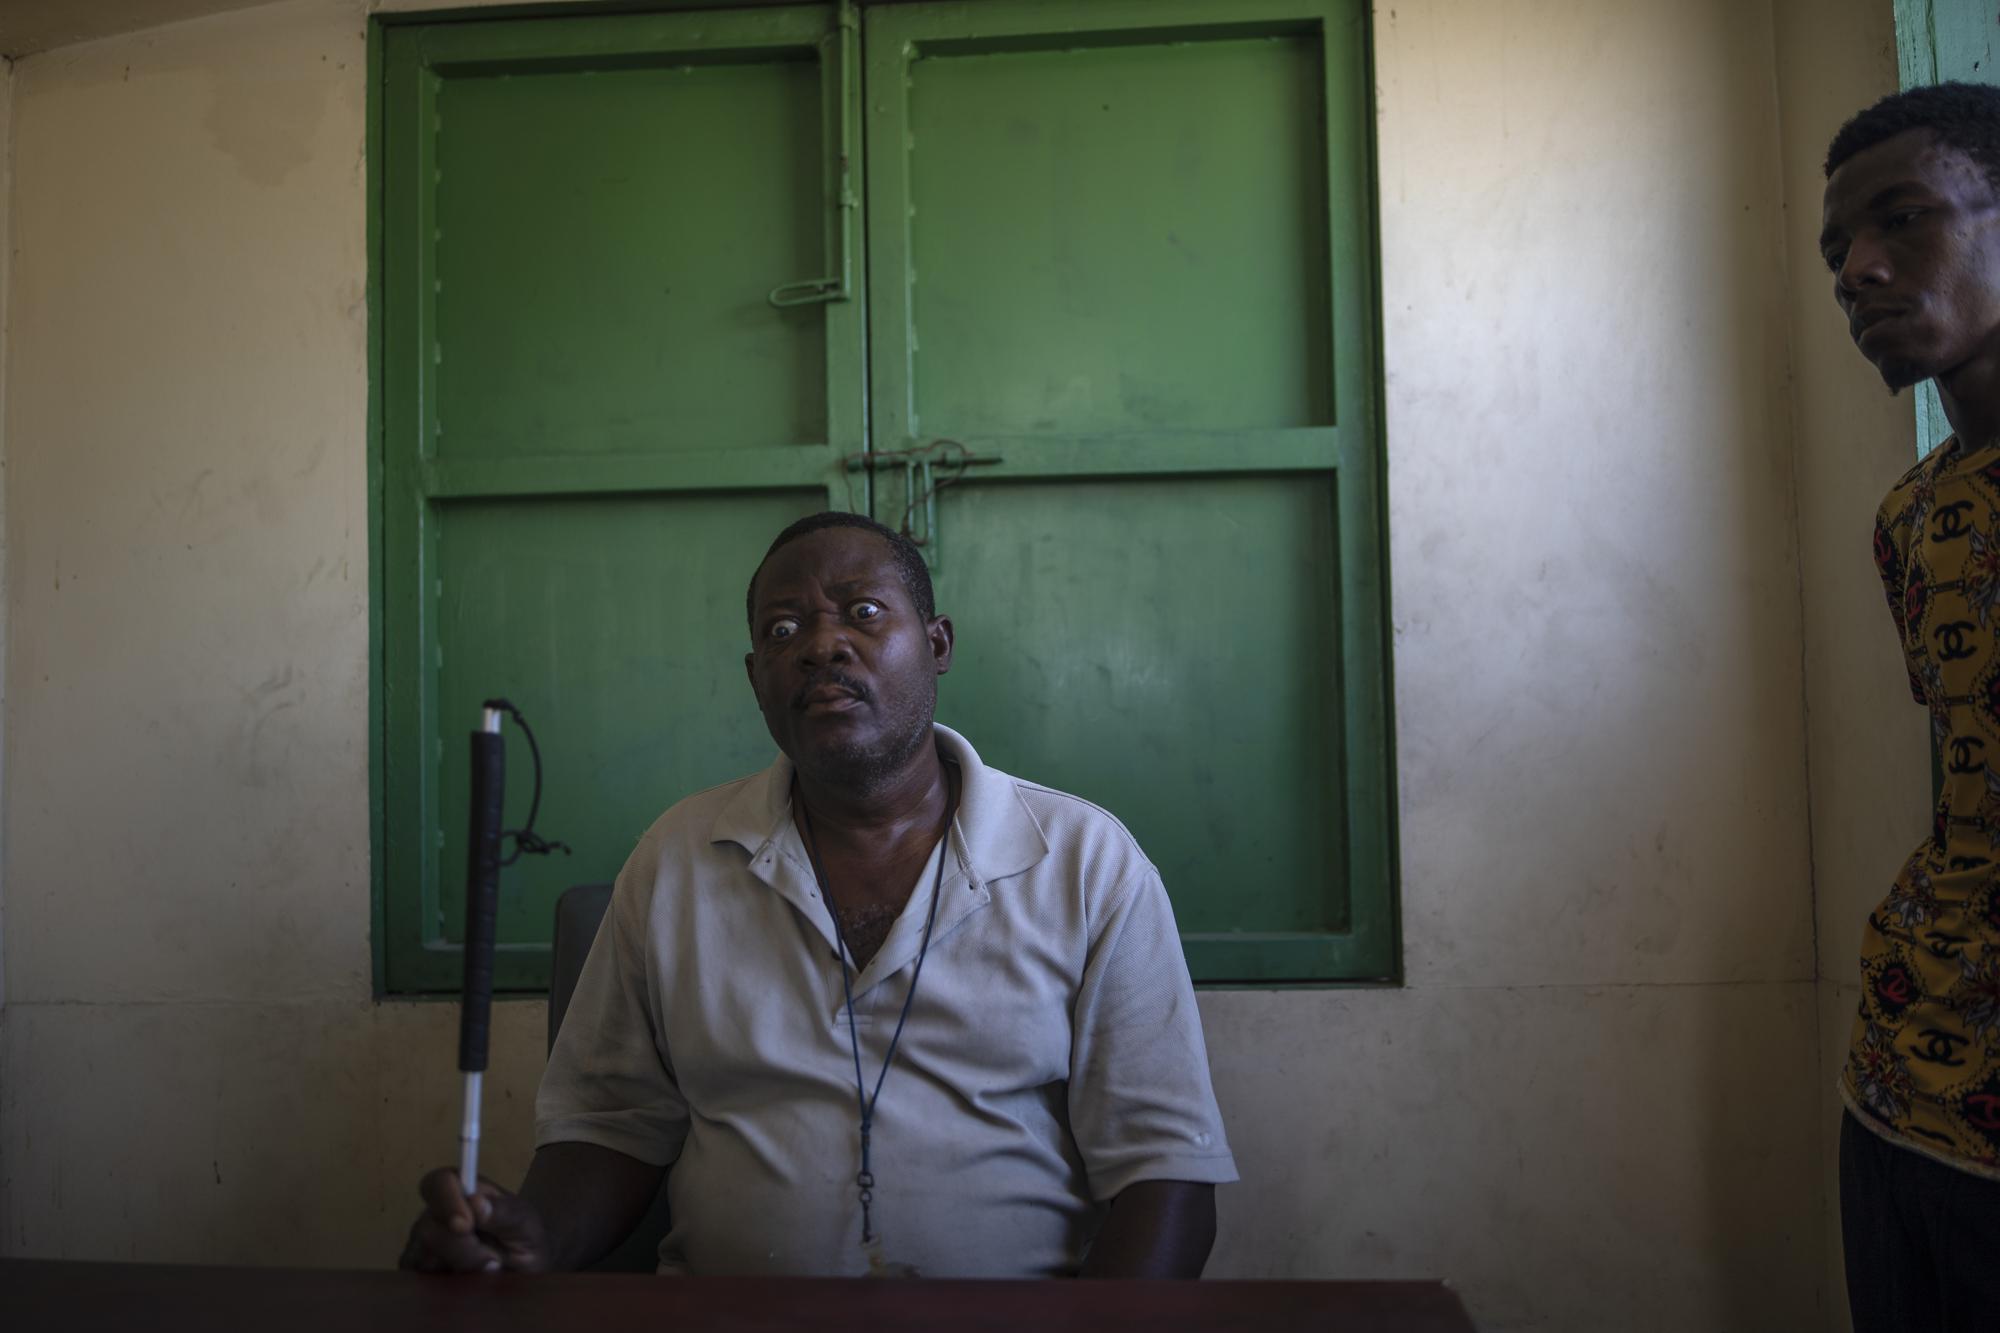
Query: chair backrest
[579, 912]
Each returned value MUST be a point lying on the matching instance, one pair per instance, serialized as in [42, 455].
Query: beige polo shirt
[1053, 1054]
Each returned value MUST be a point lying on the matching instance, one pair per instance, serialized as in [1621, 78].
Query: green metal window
[1081, 293]
[1936, 41]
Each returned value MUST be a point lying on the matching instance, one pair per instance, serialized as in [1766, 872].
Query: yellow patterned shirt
[1924, 1065]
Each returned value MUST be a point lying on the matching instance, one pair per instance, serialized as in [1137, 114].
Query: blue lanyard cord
[864, 1180]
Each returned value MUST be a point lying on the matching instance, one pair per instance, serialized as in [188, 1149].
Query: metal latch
[927, 470]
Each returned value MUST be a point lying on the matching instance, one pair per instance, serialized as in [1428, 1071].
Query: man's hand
[578, 1201]
[495, 1230]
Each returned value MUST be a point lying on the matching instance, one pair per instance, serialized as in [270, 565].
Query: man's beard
[1901, 375]
[864, 768]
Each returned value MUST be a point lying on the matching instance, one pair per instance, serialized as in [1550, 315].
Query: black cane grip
[482, 896]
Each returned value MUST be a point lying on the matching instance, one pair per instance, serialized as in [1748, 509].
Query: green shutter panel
[1122, 253]
[594, 419]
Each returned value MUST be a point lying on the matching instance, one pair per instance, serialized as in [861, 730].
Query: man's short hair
[916, 575]
[1965, 116]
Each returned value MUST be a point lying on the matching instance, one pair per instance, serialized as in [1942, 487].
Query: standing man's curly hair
[1965, 116]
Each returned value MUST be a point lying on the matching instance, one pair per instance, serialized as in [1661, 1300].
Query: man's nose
[1866, 265]
[823, 639]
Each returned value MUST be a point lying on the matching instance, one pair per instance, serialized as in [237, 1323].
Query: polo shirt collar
[997, 831]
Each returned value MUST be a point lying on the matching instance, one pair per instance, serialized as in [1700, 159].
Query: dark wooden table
[38, 1295]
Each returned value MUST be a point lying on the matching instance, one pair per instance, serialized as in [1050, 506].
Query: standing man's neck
[910, 802]
[1971, 397]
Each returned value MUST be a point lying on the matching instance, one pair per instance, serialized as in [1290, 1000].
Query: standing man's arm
[1156, 1228]
[1892, 563]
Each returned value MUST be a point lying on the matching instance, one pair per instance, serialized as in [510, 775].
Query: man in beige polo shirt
[880, 1008]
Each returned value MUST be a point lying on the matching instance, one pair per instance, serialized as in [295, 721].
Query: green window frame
[869, 336]
[1938, 41]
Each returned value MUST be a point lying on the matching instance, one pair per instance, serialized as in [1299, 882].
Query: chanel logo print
[1951, 521]
[1952, 645]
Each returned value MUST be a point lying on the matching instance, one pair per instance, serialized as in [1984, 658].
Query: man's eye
[1834, 259]
[1903, 217]
[867, 610]
[782, 629]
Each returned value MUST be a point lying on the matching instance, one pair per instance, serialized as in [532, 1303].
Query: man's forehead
[1913, 161]
[839, 558]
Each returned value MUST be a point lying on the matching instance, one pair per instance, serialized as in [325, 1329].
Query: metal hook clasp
[840, 172]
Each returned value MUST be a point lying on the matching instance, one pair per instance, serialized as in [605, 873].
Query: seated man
[881, 1008]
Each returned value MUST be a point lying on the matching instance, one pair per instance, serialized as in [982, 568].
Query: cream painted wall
[6, 266]
[1870, 759]
[1595, 1104]
[192, 1067]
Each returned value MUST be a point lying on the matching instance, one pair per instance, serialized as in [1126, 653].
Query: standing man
[1912, 236]
[877, 1009]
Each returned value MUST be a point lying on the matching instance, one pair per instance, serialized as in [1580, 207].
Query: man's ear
[942, 637]
[750, 670]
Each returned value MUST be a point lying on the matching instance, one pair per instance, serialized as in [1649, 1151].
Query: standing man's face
[844, 665]
[1912, 234]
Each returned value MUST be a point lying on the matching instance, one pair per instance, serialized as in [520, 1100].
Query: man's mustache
[839, 679]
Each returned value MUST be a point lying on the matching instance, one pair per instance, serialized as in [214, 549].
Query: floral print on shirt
[1923, 1067]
